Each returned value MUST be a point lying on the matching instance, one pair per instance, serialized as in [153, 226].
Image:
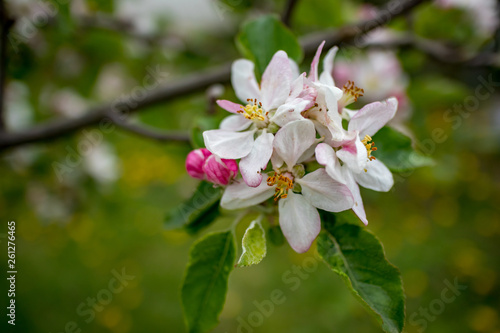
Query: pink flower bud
[219, 171]
[195, 161]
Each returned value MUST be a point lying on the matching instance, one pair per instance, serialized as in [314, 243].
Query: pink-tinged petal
[325, 155]
[195, 161]
[229, 144]
[235, 123]
[219, 171]
[326, 75]
[293, 140]
[299, 221]
[325, 193]
[243, 80]
[252, 164]
[358, 207]
[377, 177]
[229, 106]
[238, 195]
[373, 117]
[275, 85]
[313, 74]
[353, 153]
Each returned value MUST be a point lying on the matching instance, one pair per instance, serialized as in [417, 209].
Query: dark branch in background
[199, 81]
[438, 51]
[5, 26]
[147, 131]
[287, 13]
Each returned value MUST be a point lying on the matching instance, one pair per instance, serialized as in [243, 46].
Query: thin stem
[287, 13]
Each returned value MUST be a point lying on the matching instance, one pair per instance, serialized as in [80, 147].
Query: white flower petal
[275, 84]
[325, 155]
[297, 86]
[377, 177]
[257, 160]
[276, 160]
[299, 221]
[243, 80]
[235, 123]
[332, 95]
[294, 69]
[289, 112]
[373, 117]
[358, 207]
[293, 140]
[326, 75]
[239, 195]
[325, 193]
[229, 144]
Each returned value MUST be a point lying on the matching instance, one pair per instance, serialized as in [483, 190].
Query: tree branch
[438, 51]
[287, 13]
[5, 26]
[199, 81]
[149, 132]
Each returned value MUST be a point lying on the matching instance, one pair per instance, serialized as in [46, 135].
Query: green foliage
[396, 151]
[261, 38]
[254, 245]
[203, 293]
[358, 257]
[199, 211]
[275, 235]
[434, 23]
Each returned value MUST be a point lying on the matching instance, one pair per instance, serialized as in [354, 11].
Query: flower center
[253, 110]
[283, 182]
[351, 94]
[370, 147]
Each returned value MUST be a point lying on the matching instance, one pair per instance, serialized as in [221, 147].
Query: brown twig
[286, 17]
[199, 81]
[149, 132]
[440, 52]
[5, 26]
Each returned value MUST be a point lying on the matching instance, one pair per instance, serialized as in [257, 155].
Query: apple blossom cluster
[296, 141]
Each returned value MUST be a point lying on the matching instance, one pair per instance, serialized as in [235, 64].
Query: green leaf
[254, 245]
[395, 150]
[261, 38]
[197, 212]
[358, 257]
[203, 292]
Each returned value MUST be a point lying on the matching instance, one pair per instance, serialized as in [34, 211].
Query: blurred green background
[440, 223]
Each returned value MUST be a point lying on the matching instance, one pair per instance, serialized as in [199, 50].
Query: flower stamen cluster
[351, 94]
[283, 182]
[253, 110]
[370, 147]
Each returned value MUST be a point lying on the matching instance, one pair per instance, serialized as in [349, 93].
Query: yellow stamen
[283, 185]
[351, 93]
[253, 110]
[370, 147]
